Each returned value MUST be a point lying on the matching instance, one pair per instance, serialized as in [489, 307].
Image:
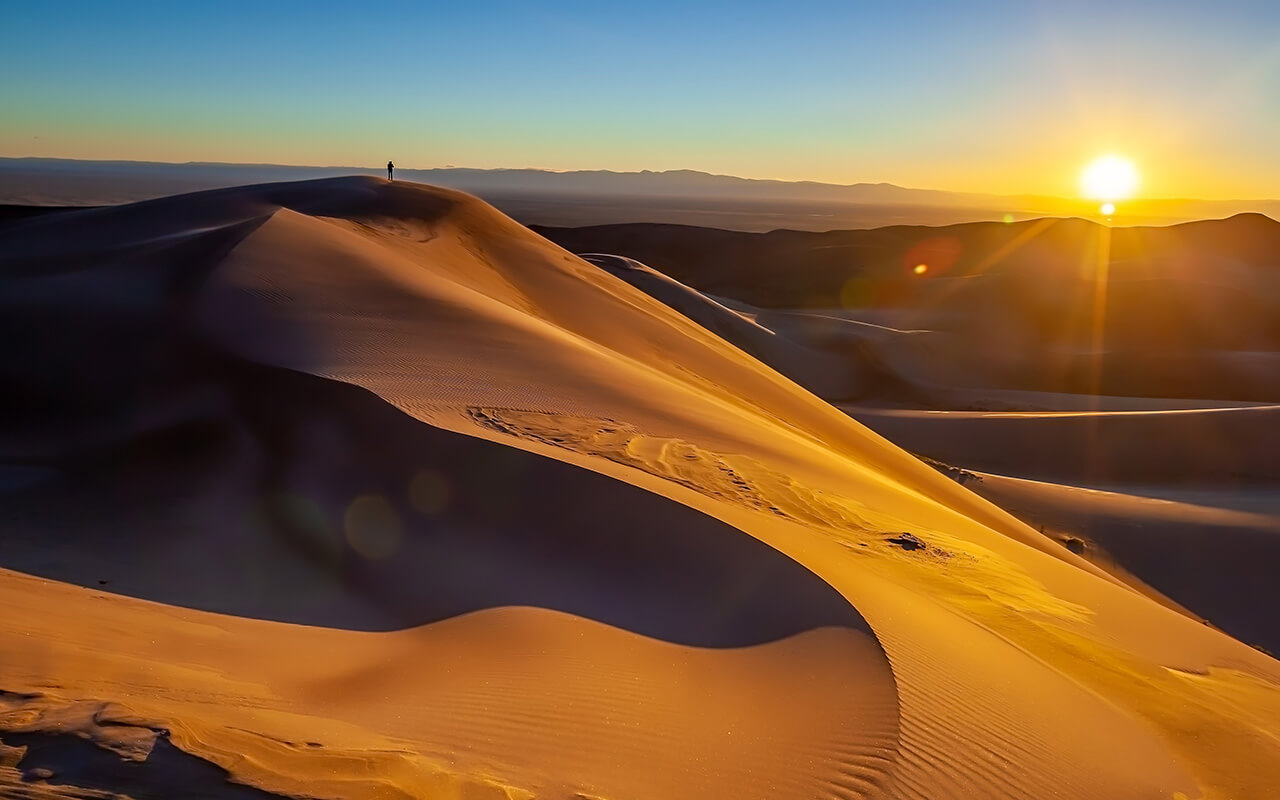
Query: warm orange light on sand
[1109, 178]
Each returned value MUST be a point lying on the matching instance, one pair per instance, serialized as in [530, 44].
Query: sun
[1109, 178]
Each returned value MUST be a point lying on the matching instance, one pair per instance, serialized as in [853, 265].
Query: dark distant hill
[598, 196]
[673, 183]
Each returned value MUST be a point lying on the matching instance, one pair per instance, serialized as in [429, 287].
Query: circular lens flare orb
[1109, 178]
[920, 269]
[1108, 209]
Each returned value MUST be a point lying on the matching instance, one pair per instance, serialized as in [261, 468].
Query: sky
[1011, 98]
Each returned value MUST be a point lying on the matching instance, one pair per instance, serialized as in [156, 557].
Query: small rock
[1074, 544]
[908, 541]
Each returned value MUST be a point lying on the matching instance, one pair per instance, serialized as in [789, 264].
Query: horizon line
[550, 171]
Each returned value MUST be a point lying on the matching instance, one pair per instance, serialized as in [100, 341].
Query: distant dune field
[344, 488]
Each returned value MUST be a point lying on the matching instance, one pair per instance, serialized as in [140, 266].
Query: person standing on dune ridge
[390, 169]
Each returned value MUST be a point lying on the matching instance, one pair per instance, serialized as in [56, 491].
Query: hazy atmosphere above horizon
[1009, 98]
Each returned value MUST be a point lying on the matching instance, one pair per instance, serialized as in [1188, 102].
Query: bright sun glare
[1109, 178]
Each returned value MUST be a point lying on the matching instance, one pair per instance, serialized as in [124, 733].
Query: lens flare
[936, 255]
[429, 492]
[372, 526]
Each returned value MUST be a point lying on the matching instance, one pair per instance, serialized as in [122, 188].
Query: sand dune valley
[345, 488]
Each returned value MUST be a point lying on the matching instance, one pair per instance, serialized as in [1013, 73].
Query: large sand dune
[354, 489]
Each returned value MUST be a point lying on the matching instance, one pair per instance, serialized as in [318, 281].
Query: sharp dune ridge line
[392, 497]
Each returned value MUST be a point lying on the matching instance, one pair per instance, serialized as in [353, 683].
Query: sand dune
[394, 498]
[455, 709]
[1159, 468]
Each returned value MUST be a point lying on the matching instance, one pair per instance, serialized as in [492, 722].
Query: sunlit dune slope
[641, 563]
[914, 386]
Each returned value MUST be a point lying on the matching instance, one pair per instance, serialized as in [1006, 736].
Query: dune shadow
[266, 493]
[65, 759]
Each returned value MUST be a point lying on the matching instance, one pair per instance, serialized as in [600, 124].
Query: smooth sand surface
[353, 489]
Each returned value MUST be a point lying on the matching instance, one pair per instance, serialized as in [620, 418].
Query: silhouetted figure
[390, 169]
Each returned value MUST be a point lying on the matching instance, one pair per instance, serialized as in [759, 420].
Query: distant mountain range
[43, 181]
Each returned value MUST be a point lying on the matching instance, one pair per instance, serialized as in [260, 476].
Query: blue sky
[1006, 97]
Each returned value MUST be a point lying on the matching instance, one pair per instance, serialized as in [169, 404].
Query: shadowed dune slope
[1215, 560]
[1185, 311]
[195, 350]
[829, 362]
[1225, 447]
[1166, 497]
[321, 504]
